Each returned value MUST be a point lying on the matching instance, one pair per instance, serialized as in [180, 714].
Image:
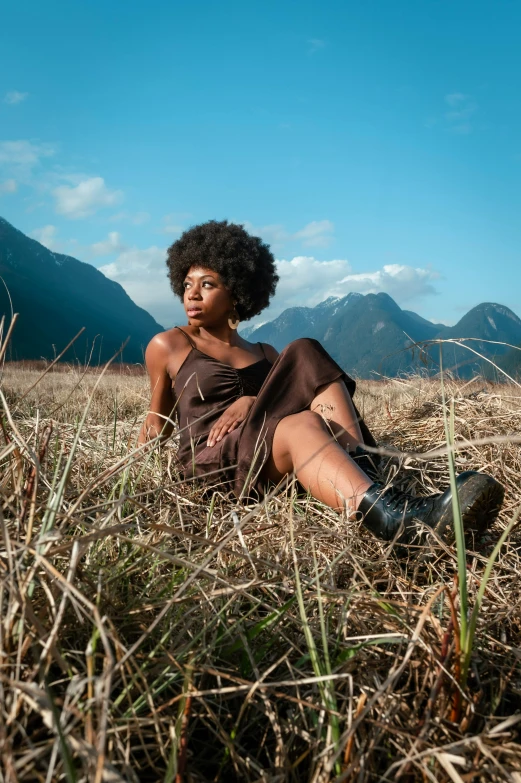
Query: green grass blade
[456, 510]
[481, 592]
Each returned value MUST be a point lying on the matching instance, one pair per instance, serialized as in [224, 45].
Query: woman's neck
[221, 333]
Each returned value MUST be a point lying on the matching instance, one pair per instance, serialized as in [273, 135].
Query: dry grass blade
[152, 629]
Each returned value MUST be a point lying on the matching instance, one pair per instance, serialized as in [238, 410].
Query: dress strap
[262, 349]
[186, 335]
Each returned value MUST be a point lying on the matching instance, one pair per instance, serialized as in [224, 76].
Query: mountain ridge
[56, 294]
[371, 334]
[367, 334]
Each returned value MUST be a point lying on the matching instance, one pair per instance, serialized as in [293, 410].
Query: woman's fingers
[214, 434]
[221, 428]
[235, 423]
[229, 420]
[227, 426]
[217, 431]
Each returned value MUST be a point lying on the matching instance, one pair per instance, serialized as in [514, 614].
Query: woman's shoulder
[170, 342]
[170, 338]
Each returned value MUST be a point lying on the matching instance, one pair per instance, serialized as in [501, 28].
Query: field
[155, 630]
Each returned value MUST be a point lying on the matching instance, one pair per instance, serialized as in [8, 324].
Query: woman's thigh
[293, 433]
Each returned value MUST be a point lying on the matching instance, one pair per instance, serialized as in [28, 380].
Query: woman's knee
[299, 422]
[291, 434]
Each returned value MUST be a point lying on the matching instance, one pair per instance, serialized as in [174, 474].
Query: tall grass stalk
[320, 667]
[459, 531]
[177, 627]
[467, 628]
[487, 573]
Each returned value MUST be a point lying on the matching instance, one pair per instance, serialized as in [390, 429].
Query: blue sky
[375, 145]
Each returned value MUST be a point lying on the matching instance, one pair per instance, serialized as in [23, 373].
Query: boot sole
[480, 497]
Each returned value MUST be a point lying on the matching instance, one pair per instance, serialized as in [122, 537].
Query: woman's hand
[231, 418]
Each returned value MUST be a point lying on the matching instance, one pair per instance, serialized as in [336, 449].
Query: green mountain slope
[301, 322]
[371, 336]
[511, 362]
[374, 337]
[55, 295]
[488, 330]
[366, 335]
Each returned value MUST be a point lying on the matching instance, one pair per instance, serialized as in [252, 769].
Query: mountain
[55, 295]
[299, 322]
[364, 334]
[489, 329]
[423, 320]
[374, 335]
[371, 335]
[511, 363]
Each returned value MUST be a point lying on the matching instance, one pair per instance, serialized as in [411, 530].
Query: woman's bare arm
[159, 417]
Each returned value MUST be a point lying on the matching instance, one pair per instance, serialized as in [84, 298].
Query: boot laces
[400, 501]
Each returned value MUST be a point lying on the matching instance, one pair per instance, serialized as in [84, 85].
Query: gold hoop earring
[234, 320]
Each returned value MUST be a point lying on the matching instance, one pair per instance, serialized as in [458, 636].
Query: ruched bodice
[204, 387]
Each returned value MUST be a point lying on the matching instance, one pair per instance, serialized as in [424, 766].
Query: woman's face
[206, 299]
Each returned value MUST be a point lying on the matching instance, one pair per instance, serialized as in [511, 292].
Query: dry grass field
[155, 630]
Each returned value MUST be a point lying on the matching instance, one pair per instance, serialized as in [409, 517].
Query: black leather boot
[387, 511]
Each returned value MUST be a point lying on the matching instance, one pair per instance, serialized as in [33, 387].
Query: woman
[250, 416]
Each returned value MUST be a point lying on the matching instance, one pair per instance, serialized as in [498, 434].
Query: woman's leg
[333, 402]
[302, 444]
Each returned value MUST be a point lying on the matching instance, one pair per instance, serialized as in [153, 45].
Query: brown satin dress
[204, 387]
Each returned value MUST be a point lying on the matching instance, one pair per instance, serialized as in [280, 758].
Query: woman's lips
[193, 311]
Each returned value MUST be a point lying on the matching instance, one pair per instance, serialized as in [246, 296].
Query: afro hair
[245, 264]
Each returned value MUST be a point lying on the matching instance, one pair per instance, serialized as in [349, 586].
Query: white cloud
[14, 97]
[24, 153]
[306, 281]
[318, 233]
[134, 260]
[23, 160]
[46, 236]
[174, 223]
[8, 186]
[274, 233]
[171, 228]
[143, 275]
[112, 244]
[136, 218]
[399, 281]
[85, 198]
